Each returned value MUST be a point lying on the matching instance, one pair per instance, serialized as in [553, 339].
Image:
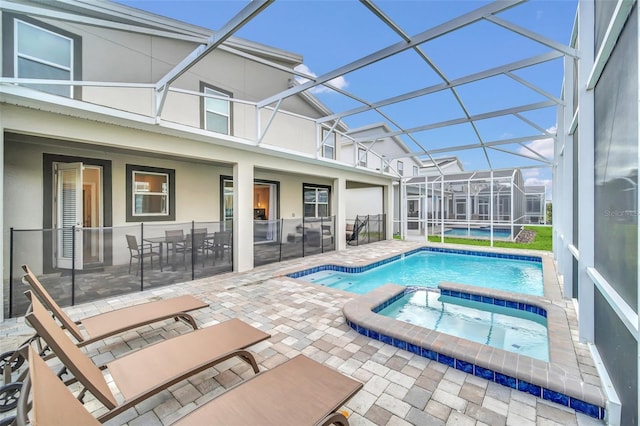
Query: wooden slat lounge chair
[117, 321]
[298, 392]
[143, 373]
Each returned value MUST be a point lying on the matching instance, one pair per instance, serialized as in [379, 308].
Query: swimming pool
[428, 268]
[517, 331]
[478, 232]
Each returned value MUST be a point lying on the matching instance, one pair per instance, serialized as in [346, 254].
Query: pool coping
[558, 380]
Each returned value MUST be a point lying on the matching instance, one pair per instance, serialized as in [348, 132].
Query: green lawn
[542, 241]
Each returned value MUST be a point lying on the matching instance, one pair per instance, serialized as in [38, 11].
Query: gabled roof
[361, 134]
[442, 162]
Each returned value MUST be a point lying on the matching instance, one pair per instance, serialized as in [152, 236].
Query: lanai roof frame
[488, 13]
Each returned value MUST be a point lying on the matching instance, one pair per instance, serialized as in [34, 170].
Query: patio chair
[175, 238]
[220, 244]
[298, 392]
[140, 252]
[141, 374]
[194, 246]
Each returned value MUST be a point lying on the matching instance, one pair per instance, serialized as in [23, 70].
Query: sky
[331, 34]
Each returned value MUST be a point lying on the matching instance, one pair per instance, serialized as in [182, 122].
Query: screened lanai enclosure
[484, 204]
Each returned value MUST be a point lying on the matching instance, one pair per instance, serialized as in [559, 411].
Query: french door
[69, 215]
[78, 215]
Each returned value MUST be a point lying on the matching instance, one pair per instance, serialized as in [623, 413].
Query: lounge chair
[117, 321]
[297, 392]
[141, 374]
[103, 325]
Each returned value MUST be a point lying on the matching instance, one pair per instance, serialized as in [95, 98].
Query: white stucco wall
[364, 201]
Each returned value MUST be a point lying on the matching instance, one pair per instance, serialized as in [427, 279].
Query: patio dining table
[172, 243]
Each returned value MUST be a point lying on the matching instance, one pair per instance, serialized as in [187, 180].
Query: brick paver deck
[400, 388]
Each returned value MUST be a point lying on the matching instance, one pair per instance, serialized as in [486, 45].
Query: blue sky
[330, 34]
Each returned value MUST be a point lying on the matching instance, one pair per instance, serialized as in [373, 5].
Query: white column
[2, 229]
[491, 210]
[585, 172]
[441, 209]
[402, 190]
[637, 71]
[387, 208]
[565, 189]
[243, 216]
[511, 193]
[340, 211]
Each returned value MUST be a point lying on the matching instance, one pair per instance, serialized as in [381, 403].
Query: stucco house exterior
[145, 123]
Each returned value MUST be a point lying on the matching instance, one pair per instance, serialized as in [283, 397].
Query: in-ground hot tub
[558, 380]
[515, 330]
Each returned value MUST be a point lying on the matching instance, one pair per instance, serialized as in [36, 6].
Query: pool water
[513, 330]
[478, 232]
[428, 269]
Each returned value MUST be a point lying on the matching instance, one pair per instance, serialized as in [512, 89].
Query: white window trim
[135, 191]
[362, 157]
[317, 202]
[217, 93]
[330, 142]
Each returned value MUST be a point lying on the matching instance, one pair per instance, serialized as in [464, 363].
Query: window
[400, 168]
[362, 157]
[40, 51]
[265, 199]
[150, 194]
[534, 204]
[329, 145]
[415, 170]
[385, 164]
[316, 201]
[216, 112]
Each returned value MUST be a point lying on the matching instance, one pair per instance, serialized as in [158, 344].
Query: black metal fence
[367, 229]
[284, 239]
[78, 265]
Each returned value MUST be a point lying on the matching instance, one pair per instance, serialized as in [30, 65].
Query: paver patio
[400, 388]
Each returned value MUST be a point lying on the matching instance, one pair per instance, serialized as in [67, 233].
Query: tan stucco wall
[198, 162]
[117, 56]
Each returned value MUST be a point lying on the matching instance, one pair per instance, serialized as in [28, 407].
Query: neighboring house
[116, 148]
[536, 204]
[370, 148]
[442, 165]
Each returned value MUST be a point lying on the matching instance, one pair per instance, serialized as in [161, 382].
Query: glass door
[227, 209]
[265, 211]
[69, 214]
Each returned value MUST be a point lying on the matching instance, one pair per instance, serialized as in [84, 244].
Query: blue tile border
[487, 374]
[476, 370]
[364, 268]
[468, 296]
